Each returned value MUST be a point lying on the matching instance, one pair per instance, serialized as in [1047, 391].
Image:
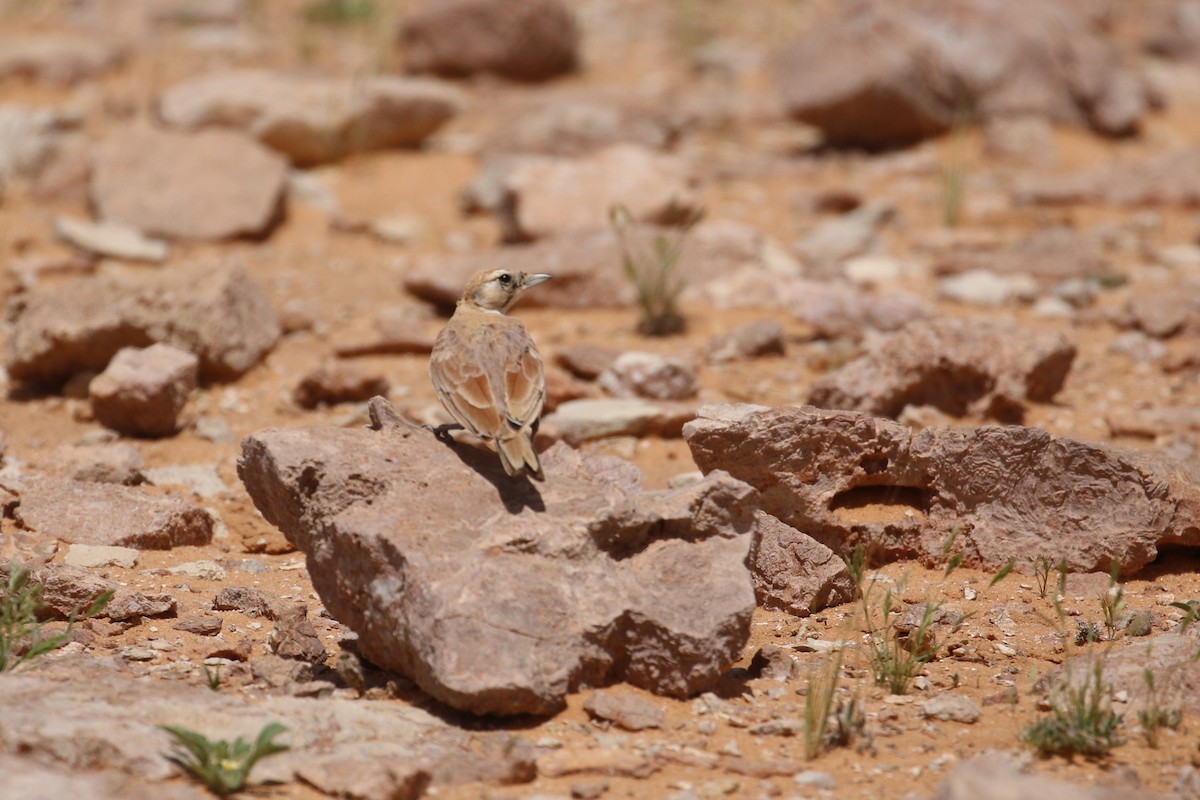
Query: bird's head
[498, 289]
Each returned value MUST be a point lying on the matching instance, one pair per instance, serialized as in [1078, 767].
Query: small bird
[487, 371]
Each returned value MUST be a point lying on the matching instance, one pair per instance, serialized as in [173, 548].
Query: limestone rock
[108, 514]
[624, 709]
[110, 239]
[83, 715]
[338, 382]
[543, 196]
[497, 596]
[314, 120]
[526, 40]
[56, 58]
[1026, 58]
[795, 572]
[212, 184]
[577, 421]
[143, 391]
[216, 312]
[650, 376]
[960, 366]
[1012, 492]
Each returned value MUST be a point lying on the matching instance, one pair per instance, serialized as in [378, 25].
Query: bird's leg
[442, 432]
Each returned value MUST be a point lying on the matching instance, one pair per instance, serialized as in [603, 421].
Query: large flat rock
[79, 714]
[499, 596]
[314, 120]
[1012, 492]
[214, 311]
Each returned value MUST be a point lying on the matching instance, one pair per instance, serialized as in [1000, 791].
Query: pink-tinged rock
[314, 120]
[56, 58]
[794, 572]
[142, 392]
[525, 40]
[114, 462]
[1169, 180]
[212, 184]
[32, 779]
[1054, 254]
[101, 513]
[624, 709]
[338, 382]
[500, 596]
[70, 590]
[214, 311]
[992, 369]
[544, 196]
[1011, 492]
[1166, 310]
[1152, 422]
[751, 340]
[1025, 58]
[365, 778]
[578, 421]
[650, 376]
[586, 361]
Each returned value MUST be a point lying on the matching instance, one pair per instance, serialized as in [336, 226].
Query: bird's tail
[518, 456]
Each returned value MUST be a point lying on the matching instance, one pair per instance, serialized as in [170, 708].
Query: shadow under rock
[516, 494]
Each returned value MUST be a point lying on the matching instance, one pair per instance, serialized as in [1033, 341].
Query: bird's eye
[505, 279]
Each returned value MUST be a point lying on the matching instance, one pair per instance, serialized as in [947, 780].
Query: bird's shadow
[516, 493]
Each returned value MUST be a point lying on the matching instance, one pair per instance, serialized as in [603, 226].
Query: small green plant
[1191, 613]
[21, 635]
[829, 720]
[896, 657]
[1042, 567]
[339, 12]
[1081, 720]
[954, 171]
[212, 677]
[653, 272]
[221, 765]
[897, 654]
[1112, 602]
[1155, 716]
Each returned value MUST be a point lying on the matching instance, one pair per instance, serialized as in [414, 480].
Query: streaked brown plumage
[487, 371]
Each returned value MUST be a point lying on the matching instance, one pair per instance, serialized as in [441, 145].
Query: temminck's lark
[487, 371]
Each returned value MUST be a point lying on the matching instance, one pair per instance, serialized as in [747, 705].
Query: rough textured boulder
[526, 40]
[543, 196]
[314, 120]
[142, 391]
[79, 715]
[1053, 254]
[56, 58]
[960, 366]
[1166, 180]
[993, 58]
[215, 312]
[1013, 492]
[499, 596]
[86, 512]
[795, 572]
[213, 184]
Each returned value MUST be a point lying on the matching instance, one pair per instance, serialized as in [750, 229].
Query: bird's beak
[536, 278]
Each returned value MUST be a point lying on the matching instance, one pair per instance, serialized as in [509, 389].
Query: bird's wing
[524, 383]
[463, 386]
